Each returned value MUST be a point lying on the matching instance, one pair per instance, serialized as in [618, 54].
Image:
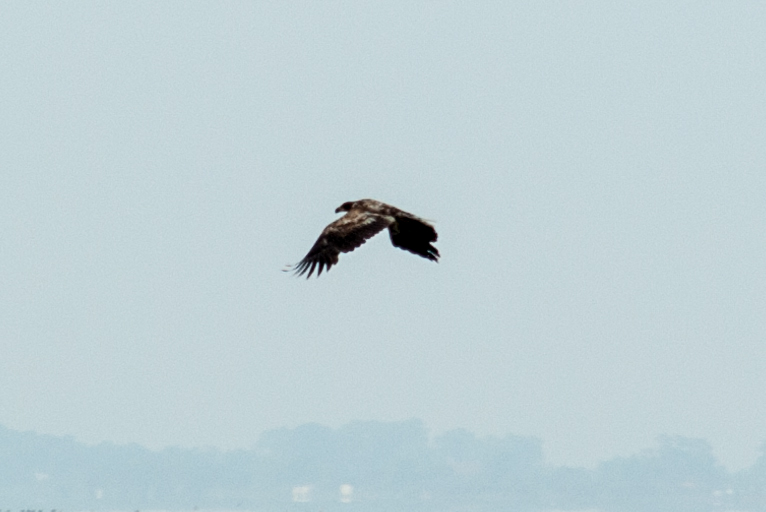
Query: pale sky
[596, 172]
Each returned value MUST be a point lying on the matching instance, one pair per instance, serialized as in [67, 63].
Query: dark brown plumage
[363, 220]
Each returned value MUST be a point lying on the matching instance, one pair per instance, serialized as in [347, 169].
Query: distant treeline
[367, 466]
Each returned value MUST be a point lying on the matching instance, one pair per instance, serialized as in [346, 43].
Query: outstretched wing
[343, 235]
[415, 235]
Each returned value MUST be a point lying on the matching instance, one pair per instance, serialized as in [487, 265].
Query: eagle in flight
[364, 219]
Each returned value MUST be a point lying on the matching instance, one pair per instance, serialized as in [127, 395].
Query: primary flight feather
[364, 219]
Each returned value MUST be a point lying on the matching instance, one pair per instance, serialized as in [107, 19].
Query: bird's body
[364, 219]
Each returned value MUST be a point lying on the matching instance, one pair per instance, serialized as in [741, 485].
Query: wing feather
[343, 235]
[414, 235]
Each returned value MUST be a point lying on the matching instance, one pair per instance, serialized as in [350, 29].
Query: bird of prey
[364, 219]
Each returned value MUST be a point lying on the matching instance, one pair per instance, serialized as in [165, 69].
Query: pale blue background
[596, 172]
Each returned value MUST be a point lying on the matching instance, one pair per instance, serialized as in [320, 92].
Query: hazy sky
[596, 172]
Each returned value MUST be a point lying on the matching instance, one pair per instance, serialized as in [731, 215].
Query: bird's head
[345, 207]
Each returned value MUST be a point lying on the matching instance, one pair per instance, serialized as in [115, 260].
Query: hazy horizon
[368, 466]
